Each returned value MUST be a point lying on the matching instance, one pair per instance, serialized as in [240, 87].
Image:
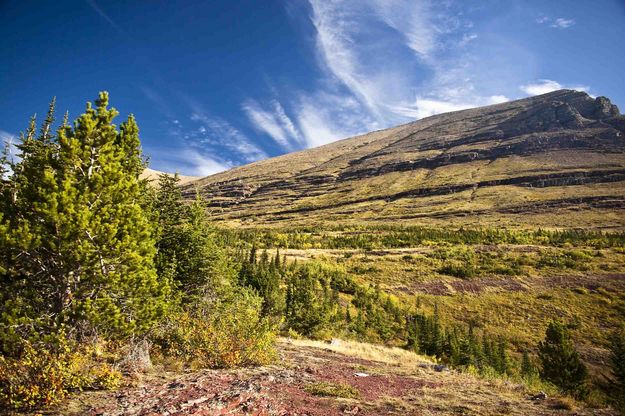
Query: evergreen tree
[560, 363]
[528, 369]
[617, 361]
[187, 250]
[309, 309]
[80, 248]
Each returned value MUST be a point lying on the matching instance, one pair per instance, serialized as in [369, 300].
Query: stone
[539, 396]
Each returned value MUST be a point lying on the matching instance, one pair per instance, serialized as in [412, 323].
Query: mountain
[553, 160]
[152, 175]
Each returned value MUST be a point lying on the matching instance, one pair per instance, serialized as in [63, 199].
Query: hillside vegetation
[112, 280]
[554, 160]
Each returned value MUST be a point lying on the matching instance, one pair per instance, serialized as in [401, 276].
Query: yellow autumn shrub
[43, 374]
[220, 333]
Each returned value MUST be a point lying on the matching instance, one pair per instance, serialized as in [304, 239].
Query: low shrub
[224, 332]
[43, 374]
[457, 269]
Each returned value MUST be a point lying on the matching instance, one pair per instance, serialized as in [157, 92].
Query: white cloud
[6, 137]
[275, 123]
[425, 107]
[105, 16]
[562, 23]
[385, 85]
[558, 23]
[219, 132]
[544, 86]
[186, 161]
[325, 117]
[385, 62]
[412, 20]
[204, 165]
[286, 122]
[316, 128]
[466, 39]
[8, 140]
[336, 24]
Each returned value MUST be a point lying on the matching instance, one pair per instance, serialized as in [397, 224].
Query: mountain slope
[552, 160]
[153, 175]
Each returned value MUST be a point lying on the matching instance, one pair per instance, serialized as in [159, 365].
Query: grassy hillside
[556, 160]
[506, 284]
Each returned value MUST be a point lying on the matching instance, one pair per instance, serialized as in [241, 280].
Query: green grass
[323, 388]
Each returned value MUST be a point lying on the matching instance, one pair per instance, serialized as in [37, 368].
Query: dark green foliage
[457, 346]
[379, 318]
[266, 277]
[425, 334]
[617, 363]
[187, 249]
[79, 248]
[560, 363]
[528, 368]
[368, 237]
[311, 304]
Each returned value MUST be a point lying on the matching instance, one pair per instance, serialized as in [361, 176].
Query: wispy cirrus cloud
[216, 132]
[6, 137]
[275, 122]
[543, 86]
[186, 160]
[413, 21]
[562, 23]
[379, 63]
[105, 16]
[557, 23]
[374, 56]
[426, 107]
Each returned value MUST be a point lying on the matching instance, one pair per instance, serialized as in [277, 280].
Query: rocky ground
[307, 379]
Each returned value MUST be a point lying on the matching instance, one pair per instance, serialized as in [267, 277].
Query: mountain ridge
[447, 162]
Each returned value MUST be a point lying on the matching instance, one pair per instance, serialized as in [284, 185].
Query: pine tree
[560, 362]
[528, 369]
[187, 250]
[309, 308]
[203, 264]
[81, 247]
[617, 361]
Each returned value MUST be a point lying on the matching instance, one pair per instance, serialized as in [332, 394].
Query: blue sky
[216, 84]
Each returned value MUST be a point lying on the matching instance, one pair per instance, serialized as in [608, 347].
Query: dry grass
[450, 393]
[388, 355]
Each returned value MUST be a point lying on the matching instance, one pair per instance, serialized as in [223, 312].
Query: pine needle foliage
[78, 251]
[560, 362]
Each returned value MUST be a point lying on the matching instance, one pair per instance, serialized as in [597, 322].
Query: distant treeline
[378, 237]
